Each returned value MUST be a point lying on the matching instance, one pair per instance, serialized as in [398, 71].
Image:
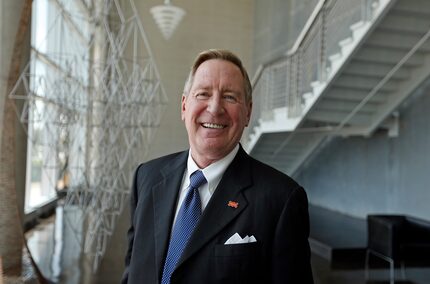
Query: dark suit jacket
[271, 206]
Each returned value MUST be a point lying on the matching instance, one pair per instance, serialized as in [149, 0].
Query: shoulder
[260, 174]
[163, 161]
[154, 169]
[275, 186]
[264, 173]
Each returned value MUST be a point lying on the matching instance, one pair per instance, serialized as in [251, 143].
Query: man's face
[215, 111]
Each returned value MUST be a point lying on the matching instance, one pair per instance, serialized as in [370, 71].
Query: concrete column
[14, 50]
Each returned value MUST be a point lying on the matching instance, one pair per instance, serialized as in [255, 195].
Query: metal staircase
[339, 81]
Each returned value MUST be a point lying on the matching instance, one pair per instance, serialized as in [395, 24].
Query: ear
[184, 98]
[248, 115]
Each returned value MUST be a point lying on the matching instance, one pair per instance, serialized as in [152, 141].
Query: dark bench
[398, 239]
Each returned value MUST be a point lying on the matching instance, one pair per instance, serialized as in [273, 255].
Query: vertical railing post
[267, 94]
[299, 84]
[293, 87]
[290, 75]
[287, 82]
[294, 96]
[271, 88]
[322, 72]
[288, 87]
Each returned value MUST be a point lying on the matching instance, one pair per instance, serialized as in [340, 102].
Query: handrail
[312, 18]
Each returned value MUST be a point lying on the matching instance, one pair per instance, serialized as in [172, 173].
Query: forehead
[218, 71]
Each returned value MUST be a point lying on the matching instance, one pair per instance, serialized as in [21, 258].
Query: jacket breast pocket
[237, 263]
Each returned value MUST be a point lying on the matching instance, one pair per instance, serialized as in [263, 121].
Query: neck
[203, 160]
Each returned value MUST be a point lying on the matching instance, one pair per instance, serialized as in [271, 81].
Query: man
[213, 214]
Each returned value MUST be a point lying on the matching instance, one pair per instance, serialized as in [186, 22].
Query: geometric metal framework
[92, 100]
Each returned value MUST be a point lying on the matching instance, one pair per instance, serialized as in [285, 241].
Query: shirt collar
[213, 173]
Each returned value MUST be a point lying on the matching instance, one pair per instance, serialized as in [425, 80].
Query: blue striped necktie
[186, 221]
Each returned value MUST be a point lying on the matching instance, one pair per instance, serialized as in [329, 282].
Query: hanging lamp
[167, 17]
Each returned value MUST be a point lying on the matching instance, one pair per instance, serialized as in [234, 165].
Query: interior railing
[286, 81]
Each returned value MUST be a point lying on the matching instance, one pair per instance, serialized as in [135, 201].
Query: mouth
[214, 125]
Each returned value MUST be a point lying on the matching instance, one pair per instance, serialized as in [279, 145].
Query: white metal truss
[92, 99]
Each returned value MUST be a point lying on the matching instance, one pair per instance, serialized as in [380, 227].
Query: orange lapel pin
[233, 204]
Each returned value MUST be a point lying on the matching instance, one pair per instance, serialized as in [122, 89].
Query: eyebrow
[224, 89]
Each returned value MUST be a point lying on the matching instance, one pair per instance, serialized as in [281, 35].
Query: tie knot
[197, 179]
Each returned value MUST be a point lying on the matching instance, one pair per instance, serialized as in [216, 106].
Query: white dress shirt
[213, 174]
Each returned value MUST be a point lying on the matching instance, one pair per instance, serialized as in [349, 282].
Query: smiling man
[213, 214]
[216, 107]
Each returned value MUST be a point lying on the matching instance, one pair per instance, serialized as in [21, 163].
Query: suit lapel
[217, 213]
[165, 196]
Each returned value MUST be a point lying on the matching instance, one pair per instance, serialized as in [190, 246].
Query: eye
[202, 96]
[230, 98]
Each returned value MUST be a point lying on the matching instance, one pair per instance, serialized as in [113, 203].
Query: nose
[215, 106]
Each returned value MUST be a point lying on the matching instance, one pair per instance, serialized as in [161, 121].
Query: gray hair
[223, 55]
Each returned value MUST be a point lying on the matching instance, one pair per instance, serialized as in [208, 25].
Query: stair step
[362, 83]
[335, 57]
[394, 40]
[397, 21]
[265, 153]
[375, 70]
[387, 88]
[358, 25]
[417, 7]
[354, 95]
[274, 138]
[383, 55]
[359, 29]
[346, 42]
[338, 117]
[330, 104]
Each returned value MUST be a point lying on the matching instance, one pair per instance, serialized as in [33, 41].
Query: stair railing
[287, 81]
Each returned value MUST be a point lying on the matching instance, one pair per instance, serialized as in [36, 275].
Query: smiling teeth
[213, 125]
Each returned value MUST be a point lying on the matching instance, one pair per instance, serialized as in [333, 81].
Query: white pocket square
[237, 239]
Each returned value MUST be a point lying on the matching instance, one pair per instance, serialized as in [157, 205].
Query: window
[57, 78]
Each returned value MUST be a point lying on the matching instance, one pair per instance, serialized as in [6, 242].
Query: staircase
[351, 68]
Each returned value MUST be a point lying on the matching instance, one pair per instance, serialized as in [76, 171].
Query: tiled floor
[56, 248]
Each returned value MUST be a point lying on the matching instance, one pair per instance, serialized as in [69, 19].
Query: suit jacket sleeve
[291, 252]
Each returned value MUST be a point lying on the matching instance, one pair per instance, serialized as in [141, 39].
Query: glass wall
[57, 78]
